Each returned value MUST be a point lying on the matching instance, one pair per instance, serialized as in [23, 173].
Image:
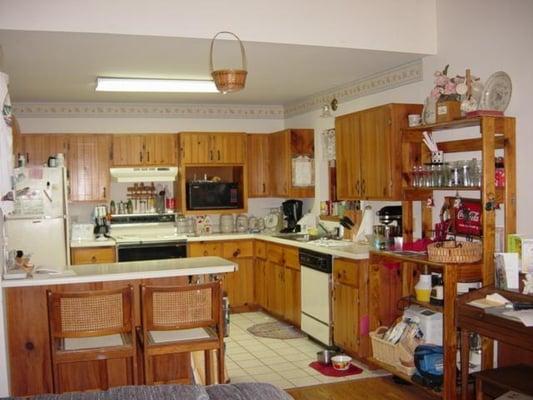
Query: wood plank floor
[363, 389]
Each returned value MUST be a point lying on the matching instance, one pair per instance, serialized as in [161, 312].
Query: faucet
[336, 234]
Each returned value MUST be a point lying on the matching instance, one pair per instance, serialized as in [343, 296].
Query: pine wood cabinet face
[88, 165]
[137, 150]
[284, 146]
[346, 317]
[205, 249]
[202, 148]
[368, 151]
[38, 147]
[92, 255]
[292, 310]
[276, 289]
[258, 165]
[128, 150]
[260, 283]
[348, 163]
[160, 149]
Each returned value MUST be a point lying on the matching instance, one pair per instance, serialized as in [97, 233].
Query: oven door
[151, 251]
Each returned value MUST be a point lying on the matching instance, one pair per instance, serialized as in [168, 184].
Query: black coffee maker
[292, 213]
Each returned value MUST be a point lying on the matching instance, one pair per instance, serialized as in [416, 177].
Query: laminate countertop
[121, 271]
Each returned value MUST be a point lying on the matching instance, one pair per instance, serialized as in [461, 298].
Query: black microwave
[213, 195]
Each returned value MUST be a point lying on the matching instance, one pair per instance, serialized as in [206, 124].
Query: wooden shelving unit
[494, 133]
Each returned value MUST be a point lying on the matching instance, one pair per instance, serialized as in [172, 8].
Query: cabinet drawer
[92, 255]
[275, 253]
[260, 250]
[346, 272]
[238, 249]
[291, 258]
[205, 249]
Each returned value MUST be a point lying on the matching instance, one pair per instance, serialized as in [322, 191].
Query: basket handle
[243, 53]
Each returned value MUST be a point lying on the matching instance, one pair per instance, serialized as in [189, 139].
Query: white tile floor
[284, 363]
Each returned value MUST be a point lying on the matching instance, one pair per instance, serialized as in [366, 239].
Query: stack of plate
[227, 225]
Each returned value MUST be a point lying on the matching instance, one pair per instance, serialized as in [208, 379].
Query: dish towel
[366, 227]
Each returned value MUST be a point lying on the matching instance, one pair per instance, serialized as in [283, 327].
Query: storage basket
[455, 252]
[228, 80]
[388, 353]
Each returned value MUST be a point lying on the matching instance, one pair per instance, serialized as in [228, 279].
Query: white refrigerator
[39, 223]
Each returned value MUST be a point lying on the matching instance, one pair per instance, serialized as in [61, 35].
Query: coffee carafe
[292, 212]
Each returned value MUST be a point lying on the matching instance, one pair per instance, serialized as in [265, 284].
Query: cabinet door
[276, 289]
[194, 148]
[128, 150]
[92, 255]
[292, 302]
[260, 283]
[240, 284]
[348, 154]
[258, 165]
[160, 150]
[204, 249]
[229, 148]
[39, 147]
[88, 165]
[376, 162]
[346, 318]
[279, 165]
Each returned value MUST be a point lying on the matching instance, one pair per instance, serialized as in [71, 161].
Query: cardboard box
[527, 255]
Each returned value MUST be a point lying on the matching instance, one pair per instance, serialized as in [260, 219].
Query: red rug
[328, 370]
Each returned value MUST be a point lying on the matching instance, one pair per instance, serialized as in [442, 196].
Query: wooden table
[473, 319]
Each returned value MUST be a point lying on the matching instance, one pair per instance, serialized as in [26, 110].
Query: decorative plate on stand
[497, 92]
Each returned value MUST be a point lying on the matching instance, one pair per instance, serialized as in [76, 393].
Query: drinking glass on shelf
[475, 172]
[465, 167]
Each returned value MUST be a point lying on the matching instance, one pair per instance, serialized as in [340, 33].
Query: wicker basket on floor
[455, 252]
[388, 353]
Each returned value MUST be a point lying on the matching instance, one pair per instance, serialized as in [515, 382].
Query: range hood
[144, 174]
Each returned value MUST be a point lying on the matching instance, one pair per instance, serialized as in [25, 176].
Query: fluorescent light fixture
[155, 85]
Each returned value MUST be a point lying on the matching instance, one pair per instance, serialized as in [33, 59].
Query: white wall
[360, 24]
[485, 36]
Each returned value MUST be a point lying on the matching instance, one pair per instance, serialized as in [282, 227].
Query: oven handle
[150, 244]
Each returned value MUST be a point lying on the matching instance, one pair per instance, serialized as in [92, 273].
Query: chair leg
[220, 364]
[207, 367]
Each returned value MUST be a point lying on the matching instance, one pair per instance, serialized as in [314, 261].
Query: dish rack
[387, 352]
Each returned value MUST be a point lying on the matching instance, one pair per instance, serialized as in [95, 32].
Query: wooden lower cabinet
[350, 306]
[29, 348]
[238, 285]
[292, 309]
[92, 255]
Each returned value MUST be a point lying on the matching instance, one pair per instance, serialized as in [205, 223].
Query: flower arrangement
[445, 87]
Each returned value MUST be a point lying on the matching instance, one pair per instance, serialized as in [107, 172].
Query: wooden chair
[89, 332]
[182, 319]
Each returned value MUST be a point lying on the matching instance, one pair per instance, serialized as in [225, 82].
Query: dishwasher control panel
[315, 260]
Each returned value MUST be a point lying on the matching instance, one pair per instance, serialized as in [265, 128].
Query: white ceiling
[62, 67]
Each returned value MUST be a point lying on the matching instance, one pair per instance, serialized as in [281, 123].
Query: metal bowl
[324, 356]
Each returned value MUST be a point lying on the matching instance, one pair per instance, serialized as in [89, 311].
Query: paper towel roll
[366, 226]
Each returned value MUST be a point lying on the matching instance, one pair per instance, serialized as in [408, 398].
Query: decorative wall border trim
[380, 82]
[117, 110]
[390, 79]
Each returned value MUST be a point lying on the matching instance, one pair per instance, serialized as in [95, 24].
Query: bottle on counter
[129, 206]
[112, 207]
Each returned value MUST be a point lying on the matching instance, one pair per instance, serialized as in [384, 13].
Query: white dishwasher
[316, 295]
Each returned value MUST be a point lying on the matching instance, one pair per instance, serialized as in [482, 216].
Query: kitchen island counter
[123, 271]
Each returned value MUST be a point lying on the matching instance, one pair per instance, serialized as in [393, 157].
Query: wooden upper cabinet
[160, 149]
[128, 150]
[220, 147]
[369, 152]
[88, 166]
[38, 147]
[283, 147]
[348, 164]
[258, 165]
[152, 149]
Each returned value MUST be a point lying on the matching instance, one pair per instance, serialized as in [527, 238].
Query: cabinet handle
[148, 156]
[93, 259]
[357, 186]
[211, 155]
[104, 191]
[27, 158]
[363, 187]
[218, 151]
[236, 253]
[264, 188]
[140, 156]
